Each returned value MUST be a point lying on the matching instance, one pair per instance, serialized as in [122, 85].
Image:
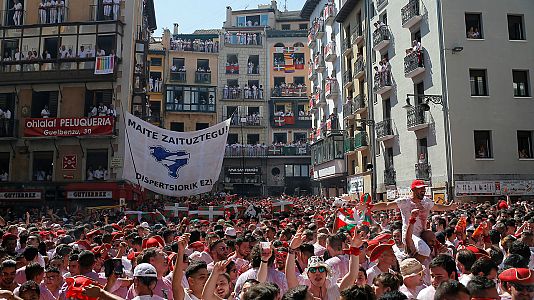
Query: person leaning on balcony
[45, 113]
[111, 111]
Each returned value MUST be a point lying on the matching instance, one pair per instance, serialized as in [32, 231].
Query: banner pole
[128, 139]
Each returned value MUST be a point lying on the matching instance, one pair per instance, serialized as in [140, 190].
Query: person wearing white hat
[412, 276]
[230, 233]
[145, 280]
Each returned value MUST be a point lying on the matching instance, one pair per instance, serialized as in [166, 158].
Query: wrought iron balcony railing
[390, 176]
[347, 109]
[360, 140]
[380, 35]
[414, 63]
[359, 103]
[289, 92]
[384, 128]
[410, 12]
[348, 144]
[416, 117]
[423, 171]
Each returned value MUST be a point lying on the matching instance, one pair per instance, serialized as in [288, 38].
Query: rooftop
[308, 8]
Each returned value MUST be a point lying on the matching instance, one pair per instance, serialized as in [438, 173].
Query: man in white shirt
[99, 173]
[442, 268]
[45, 113]
[102, 110]
[7, 121]
[82, 53]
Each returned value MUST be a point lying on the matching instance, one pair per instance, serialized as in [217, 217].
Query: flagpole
[127, 139]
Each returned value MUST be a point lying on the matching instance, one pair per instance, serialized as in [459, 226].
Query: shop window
[43, 165]
[177, 126]
[97, 165]
[483, 147]
[297, 170]
[44, 104]
[4, 166]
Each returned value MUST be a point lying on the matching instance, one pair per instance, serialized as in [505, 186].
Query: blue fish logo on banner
[172, 160]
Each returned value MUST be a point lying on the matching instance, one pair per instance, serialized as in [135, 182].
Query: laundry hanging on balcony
[104, 65]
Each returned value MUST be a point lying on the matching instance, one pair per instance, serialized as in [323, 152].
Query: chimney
[229, 22]
[273, 4]
[176, 26]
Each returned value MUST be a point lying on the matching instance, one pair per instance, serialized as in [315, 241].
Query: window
[483, 144]
[473, 26]
[232, 64]
[4, 166]
[303, 26]
[177, 126]
[515, 27]
[156, 61]
[191, 98]
[179, 63]
[280, 137]
[299, 137]
[43, 165]
[524, 144]
[200, 126]
[97, 165]
[44, 103]
[253, 139]
[521, 87]
[297, 170]
[233, 138]
[286, 27]
[388, 158]
[478, 82]
[93, 98]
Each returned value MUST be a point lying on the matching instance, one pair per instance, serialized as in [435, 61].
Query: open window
[93, 98]
[280, 138]
[232, 64]
[253, 64]
[96, 167]
[44, 104]
[43, 165]
[4, 166]
[253, 139]
[232, 139]
[299, 137]
[473, 26]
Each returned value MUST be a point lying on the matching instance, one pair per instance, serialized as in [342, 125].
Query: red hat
[84, 244]
[502, 205]
[417, 184]
[522, 276]
[381, 248]
[478, 251]
[90, 234]
[102, 250]
[198, 246]
[379, 239]
[76, 286]
[155, 241]
[116, 235]
[170, 260]
[60, 232]
[9, 236]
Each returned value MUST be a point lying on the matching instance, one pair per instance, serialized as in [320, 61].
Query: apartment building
[327, 137]
[453, 97]
[157, 59]
[191, 79]
[66, 76]
[260, 61]
[357, 114]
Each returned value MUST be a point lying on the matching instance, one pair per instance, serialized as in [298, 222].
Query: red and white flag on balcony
[280, 121]
[104, 65]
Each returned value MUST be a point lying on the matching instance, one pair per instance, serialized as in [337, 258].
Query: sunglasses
[520, 287]
[315, 269]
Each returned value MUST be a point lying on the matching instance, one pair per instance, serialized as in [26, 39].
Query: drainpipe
[370, 95]
[444, 89]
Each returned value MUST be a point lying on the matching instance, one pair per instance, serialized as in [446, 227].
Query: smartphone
[113, 266]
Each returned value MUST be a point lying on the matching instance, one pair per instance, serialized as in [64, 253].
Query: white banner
[173, 163]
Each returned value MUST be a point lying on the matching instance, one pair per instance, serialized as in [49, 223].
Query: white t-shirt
[406, 206]
[427, 293]
[373, 272]
[411, 296]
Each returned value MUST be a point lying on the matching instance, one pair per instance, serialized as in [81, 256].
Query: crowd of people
[249, 92]
[52, 11]
[196, 45]
[313, 248]
[101, 110]
[98, 174]
[383, 73]
[237, 149]
[243, 38]
[289, 89]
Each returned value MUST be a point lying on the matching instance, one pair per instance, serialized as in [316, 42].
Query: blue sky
[205, 14]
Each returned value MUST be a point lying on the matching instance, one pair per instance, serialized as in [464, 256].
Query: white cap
[145, 270]
[230, 231]
[145, 225]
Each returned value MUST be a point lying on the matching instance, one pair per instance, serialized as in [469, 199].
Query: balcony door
[419, 90]
[422, 151]
[13, 14]
[52, 46]
[386, 113]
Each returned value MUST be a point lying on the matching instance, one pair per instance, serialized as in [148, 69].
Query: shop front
[102, 194]
[243, 181]
[484, 190]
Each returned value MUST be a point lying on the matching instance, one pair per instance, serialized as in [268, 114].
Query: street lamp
[436, 99]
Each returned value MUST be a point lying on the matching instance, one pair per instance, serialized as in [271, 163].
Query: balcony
[348, 145]
[329, 13]
[319, 99]
[8, 19]
[330, 52]
[319, 63]
[359, 104]
[423, 171]
[356, 35]
[348, 112]
[289, 92]
[178, 76]
[243, 39]
[347, 79]
[359, 67]
[381, 38]
[384, 130]
[411, 14]
[382, 83]
[101, 12]
[312, 73]
[203, 77]
[416, 118]
[319, 33]
[360, 141]
[312, 104]
[291, 121]
[414, 64]
[390, 176]
[266, 151]
[380, 4]
[331, 88]
[253, 93]
[311, 40]
[202, 107]
[346, 48]
[197, 45]
[245, 121]
[8, 128]
[231, 93]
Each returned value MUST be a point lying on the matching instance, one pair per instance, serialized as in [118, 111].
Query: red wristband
[352, 251]
[412, 220]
